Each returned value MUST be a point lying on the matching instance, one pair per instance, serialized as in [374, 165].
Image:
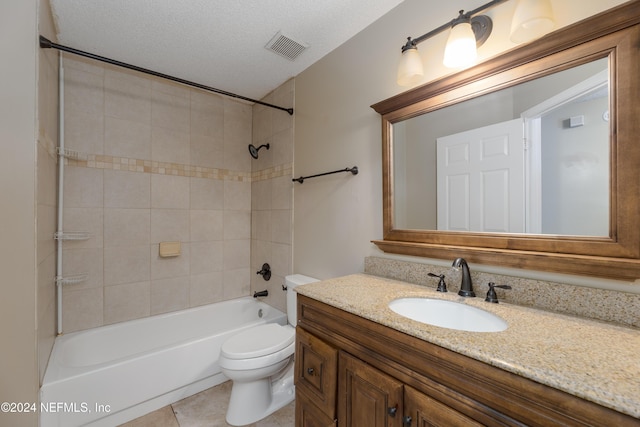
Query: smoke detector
[286, 46]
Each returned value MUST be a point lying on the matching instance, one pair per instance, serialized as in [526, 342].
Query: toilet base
[255, 400]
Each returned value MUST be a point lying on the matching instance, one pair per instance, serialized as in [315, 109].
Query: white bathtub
[112, 374]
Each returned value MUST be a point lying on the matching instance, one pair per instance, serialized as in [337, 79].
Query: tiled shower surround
[155, 161]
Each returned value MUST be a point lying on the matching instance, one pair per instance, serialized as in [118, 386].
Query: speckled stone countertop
[593, 360]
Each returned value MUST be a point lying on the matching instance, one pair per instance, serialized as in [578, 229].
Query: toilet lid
[259, 341]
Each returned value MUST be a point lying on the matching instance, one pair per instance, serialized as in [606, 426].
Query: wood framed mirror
[556, 215]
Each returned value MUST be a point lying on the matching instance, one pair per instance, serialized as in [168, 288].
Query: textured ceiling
[218, 43]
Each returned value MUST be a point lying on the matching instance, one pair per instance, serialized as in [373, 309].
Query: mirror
[458, 181]
[481, 172]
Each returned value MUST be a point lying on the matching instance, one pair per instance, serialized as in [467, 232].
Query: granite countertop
[593, 360]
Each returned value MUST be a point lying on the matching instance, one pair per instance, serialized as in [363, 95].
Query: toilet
[259, 361]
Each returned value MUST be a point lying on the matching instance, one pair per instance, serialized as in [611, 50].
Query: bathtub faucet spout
[261, 293]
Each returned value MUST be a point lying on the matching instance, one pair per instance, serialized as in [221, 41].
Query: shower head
[254, 151]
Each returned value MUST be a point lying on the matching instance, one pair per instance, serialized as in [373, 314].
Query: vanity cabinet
[315, 373]
[367, 396]
[353, 372]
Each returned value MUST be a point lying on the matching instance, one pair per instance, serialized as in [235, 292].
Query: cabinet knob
[310, 371]
[406, 421]
[392, 411]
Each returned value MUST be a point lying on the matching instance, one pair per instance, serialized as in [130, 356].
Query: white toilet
[259, 361]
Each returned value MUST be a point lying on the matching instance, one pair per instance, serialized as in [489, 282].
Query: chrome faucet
[466, 287]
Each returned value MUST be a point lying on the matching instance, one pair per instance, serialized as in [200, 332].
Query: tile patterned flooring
[207, 409]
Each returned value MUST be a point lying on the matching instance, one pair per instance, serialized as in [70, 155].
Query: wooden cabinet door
[366, 396]
[309, 415]
[316, 371]
[427, 412]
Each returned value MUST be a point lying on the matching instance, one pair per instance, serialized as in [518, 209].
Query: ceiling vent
[286, 46]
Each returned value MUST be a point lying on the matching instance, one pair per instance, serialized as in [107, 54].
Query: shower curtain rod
[46, 43]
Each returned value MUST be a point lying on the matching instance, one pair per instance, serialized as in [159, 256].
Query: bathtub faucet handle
[265, 272]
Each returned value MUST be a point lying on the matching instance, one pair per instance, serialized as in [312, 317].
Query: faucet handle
[442, 286]
[491, 293]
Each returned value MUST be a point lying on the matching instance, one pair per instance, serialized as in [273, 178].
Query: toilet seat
[258, 347]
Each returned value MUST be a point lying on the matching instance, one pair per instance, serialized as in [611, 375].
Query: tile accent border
[98, 161]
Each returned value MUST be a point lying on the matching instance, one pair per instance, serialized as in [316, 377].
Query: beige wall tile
[89, 220]
[206, 288]
[207, 115]
[281, 226]
[80, 261]
[236, 254]
[238, 118]
[281, 255]
[163, 268]
[282, 146]
[83, 187]
[124, 189]
[206, 225]
[206, 194]
[170, 107]
[127, 227]
[84, 131]
[236, 155]
[126, 264]
[237, 195]
[83, 92]
[126, 302]
[170, 191]
[45, 231]
[261, 195]
[236, 283]
[169, 145]
[82, 64]
[127, 96]
[262, 124]
[261, 225]
[82, 309]
[169, 225]
[127, 138]
[207, 151]
[282, 193]
[206, 257]
[237, 225]
[47, 293]
[260, 253]
[169, 294]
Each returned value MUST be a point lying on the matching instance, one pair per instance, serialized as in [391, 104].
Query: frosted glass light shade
[460, 50]
[532, 19]
[410, 69]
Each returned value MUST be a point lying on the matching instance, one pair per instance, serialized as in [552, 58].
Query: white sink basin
[448, 314]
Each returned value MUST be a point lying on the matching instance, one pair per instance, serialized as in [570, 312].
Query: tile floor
[207, 409]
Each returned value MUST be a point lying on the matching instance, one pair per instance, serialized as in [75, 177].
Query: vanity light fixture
[531, 19]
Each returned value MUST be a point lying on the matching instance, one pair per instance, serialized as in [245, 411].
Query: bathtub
[112, 374]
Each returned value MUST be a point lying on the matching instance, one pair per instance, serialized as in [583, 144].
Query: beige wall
[336, 217]
[18, 257]
[157, 162]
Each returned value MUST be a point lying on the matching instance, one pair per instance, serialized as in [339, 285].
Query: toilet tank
[291, 282]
